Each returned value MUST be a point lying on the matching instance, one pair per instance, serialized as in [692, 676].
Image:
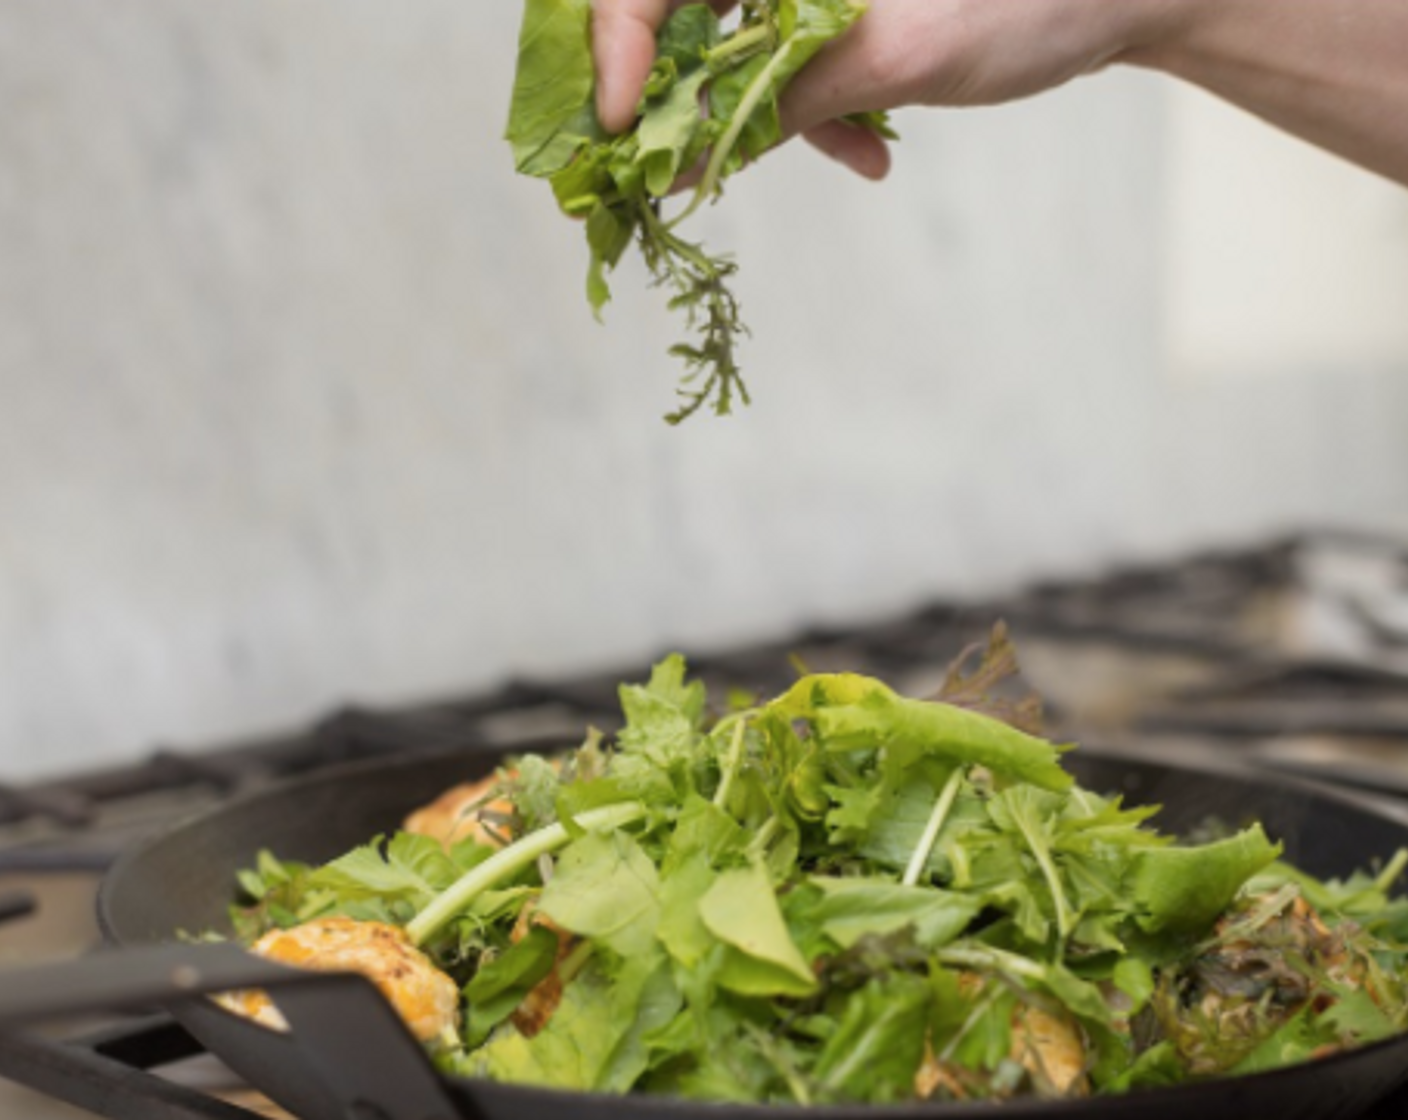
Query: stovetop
[1291, 655]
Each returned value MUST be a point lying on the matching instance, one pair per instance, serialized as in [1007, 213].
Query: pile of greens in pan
[712, 96]
[846, 895]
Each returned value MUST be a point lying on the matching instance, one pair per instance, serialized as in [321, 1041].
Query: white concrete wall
[300, 401]
[1277, 259]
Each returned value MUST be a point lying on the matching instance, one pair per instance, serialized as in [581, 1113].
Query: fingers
[623, 45]
[855, 147]
[623, 41]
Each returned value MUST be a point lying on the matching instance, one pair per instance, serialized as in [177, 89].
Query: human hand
[623, 41]
[961, 53]
[902, 52]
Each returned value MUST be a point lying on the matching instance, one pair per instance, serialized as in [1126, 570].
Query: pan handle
[349, 1035]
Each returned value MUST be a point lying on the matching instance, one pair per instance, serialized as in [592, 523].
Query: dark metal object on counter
[108, 1072]
[17, 904]
[350, 1043]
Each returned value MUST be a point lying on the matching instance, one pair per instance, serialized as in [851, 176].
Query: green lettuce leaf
[606, 888]
[409, 868]
[740, 909]
[552, 115]
[850, 909]
[500, 985]
[579, 1046]
[878, 1042]
[857, 713]
[1185, 890]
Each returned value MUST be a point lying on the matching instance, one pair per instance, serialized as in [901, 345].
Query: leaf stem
[1267, 909]
[511, 860]
[735, 757]
[744, 42]
[998, 960]
[920, 859]
[767, 1045]
[701, 289]
[977, 1013]
[575, 961]
[759, 845]
[1064, 919]
[1389, 875]
[752, 97]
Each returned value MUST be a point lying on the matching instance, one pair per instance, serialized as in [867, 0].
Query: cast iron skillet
[184, 880]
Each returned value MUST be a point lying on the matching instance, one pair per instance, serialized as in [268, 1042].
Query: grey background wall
[300, 400]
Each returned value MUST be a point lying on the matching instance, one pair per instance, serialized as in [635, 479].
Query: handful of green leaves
[710, 93]
[847, 895]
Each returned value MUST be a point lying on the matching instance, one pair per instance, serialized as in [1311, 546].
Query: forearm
[1334, 72]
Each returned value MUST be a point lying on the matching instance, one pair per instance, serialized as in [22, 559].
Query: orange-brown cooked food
[467, 811]
[425, 998]
[1050, 1049]
[1271, 956]
[541, 1002]
[1046, 1044]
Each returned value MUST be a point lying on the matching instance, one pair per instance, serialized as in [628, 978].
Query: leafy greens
[843, 894]
[712, 97]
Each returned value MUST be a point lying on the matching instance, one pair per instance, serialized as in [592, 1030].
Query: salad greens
[843, 894]
[711, 98]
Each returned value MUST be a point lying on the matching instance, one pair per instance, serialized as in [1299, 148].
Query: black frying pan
[184, 880]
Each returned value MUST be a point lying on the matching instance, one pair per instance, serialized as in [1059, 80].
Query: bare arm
[1334, 72]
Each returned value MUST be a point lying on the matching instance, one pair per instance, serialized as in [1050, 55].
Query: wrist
[1153, 33]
